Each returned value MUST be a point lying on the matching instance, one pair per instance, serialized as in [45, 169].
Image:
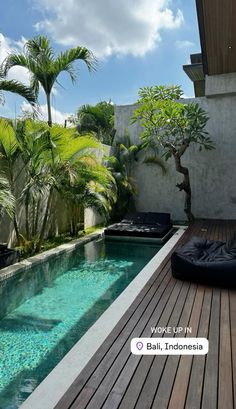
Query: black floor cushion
[208, 261]
[141, 224]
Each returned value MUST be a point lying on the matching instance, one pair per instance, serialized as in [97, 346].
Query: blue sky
[137, 42]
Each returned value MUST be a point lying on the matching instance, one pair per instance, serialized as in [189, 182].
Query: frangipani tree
[45, 67]
[173, 126]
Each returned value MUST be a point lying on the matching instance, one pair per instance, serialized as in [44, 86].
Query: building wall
[212, 173]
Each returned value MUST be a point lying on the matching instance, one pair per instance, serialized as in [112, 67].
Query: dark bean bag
[206, 261]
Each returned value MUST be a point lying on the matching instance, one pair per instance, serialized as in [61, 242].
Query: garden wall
[212, 173]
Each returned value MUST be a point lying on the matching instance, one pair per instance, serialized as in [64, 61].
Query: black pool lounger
[206, 261]
[147, 225]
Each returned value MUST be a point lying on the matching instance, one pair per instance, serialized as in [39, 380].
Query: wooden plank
[209, 396]
[194, 394]
[143, 369]
[101, 370]
[164, 388]
[225, 394]
[136, 383]
[121, 348]
[147, 394]
[178, 395]
[232, 298]
[162, 316]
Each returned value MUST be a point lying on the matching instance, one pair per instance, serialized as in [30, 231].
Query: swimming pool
[60, 300]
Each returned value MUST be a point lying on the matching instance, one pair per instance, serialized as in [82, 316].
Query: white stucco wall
[212, 173]
[92, 218]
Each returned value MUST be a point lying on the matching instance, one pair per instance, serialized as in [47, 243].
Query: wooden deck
[114, 378]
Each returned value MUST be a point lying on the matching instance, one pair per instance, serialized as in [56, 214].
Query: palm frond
[8, 141]
[39, 58]
[17, 87]
[39, 47]
[7, 200]
[65, 60]
[13, 60]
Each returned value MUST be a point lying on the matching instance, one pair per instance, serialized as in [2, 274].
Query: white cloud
[109, 27]
[187, 96]
[57, 116]
[8, 46]
[184, 44]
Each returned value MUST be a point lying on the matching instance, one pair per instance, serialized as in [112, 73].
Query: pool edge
[54, 386]
[16, 268]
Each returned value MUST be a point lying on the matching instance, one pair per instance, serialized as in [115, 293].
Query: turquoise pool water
[69, 295]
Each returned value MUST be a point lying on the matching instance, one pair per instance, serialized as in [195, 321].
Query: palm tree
[10, 165]
[121, 167]
[76, 174]
[98, 119]
[15, 87]
[44, 66]
[53, 163]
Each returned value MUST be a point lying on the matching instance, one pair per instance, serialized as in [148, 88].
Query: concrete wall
[92, 218]
[212, 173]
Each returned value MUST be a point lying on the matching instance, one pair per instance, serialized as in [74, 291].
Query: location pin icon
[139, 345]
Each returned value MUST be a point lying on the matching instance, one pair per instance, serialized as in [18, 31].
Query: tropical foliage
[173, 126]
[44, 66]
[15, 87]
[98, 119]
[121, 166]
[44, 165]
[7, 200]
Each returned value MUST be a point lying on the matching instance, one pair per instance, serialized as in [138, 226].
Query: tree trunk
[16, 227]
[33, 217]
[18, 238]
[37, 217]
[27, 216]
[49, 110]
[45, 219]
[73, 221]
[185, 185]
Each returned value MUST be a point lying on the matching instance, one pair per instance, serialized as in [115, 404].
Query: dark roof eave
[194, 71]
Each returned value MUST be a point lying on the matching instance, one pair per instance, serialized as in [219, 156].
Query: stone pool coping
[14, 269]
[54, 386]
